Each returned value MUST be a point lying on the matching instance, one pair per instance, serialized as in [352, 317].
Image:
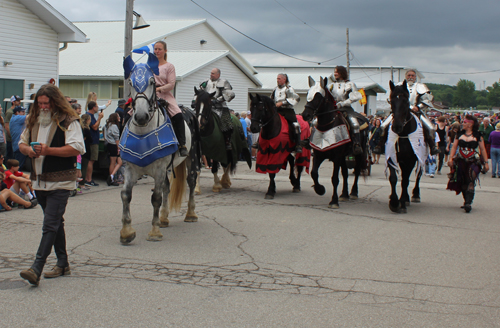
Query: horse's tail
[177, 188]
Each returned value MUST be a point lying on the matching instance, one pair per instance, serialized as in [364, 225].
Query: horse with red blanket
[275, 147]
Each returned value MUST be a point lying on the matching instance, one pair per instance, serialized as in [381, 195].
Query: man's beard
[410, 82]
[45, 118]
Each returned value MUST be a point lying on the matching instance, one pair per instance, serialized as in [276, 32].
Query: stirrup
[356, 149]
[183, 152]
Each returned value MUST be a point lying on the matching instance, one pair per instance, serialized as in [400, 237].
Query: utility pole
[347, 55]
[129, 20]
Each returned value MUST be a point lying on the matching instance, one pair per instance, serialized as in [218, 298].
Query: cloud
[433, 36]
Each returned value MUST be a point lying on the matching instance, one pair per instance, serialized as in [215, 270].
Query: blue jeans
[20, 157]
[495, 161]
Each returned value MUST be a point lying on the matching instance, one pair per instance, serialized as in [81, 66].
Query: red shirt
[8, 180]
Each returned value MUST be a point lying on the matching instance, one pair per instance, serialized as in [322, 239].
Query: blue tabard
[143, 150]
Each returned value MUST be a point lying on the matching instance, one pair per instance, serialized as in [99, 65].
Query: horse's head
[263, 110]
[203, 102]
[400, 105]
[316, 97]
[143, 88]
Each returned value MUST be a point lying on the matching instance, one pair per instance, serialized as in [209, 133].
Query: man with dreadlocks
[52, 139]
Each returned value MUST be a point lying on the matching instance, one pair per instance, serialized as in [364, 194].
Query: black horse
[322, 105]
[212, 140]
[404, 123]
[275, 148]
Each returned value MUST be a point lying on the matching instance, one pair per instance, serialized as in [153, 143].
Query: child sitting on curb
[17, 180]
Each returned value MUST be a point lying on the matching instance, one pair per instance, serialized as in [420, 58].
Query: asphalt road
[251, 262]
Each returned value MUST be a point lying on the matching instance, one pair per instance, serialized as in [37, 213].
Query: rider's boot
[180, 133]
[434, 150]
[296, 137]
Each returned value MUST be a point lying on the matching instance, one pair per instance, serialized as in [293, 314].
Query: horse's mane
[267, 101]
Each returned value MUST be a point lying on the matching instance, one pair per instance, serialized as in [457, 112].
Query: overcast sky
[459, 36]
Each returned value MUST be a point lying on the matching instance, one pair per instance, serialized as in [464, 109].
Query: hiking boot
[30, 275]
[57, 271]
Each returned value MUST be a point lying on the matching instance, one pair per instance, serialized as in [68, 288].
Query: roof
[66, 31]
[300, 82]
[102, 57]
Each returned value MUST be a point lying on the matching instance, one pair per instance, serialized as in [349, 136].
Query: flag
[362, 101]
[145, 49]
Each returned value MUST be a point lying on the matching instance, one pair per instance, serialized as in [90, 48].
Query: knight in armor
[420, 99]
[345, 93]
[223, 94]
[285, 98]
[165, 83]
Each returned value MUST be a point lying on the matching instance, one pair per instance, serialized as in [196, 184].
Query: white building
[194, 48]
[31, 34]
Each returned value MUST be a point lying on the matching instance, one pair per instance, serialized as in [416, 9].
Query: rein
[152, 104]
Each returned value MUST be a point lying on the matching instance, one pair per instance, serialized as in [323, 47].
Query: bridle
[152, 104]
[259, 121]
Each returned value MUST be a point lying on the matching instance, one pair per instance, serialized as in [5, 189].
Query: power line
[359, 63]
[483, 72]
[262, 44]
[302, 21]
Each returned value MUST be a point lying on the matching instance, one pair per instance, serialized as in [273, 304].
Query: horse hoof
[334, 206]
[319, 189]
[407, 203]
[394, 209]
[154, 237]
[268, 196]
[344, 198]
[354, 197]
[415, 200]
[197, 192]
[191, 219]
[226, 186]
[296, 190]
[127, 235]
[164, 224]
[402, 210]
[216, 189]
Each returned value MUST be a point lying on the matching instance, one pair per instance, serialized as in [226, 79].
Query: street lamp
[140, 23]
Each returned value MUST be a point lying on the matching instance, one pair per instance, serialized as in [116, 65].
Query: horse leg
[415, 198]
[334, 203]
[291, 176]
[217, 186]
[191, 180]
[344, 197]
[197, 189]
[127, 234]
[164, 212]
[394, 204]
[296, 187]
[156, 200]
[318, 188]
[405, 182]
[226, 180]
[357, 172]
[271, 190]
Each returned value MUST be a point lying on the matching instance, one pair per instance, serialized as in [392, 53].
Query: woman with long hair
[165, 83]
[112, 137]
[467, 158]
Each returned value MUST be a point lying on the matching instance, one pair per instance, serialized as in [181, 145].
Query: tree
[464, 94]
[494, 95]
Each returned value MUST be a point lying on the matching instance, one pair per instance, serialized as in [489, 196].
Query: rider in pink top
[165, 83]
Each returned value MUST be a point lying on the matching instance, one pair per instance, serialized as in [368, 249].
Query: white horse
[149, 147]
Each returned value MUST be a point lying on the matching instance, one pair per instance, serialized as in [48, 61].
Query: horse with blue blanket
[149, 146]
